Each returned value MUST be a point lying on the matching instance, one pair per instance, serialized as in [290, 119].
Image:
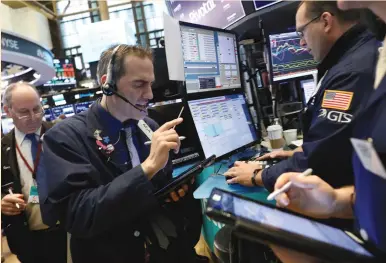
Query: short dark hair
[315, 8]
[123, 51]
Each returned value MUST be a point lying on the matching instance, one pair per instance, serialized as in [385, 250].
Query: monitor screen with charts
[64, 74]
[48, 115]
[210, 58]
[308, 86]
[288, 58]
[82, 106]
[223, 124]
[67, 110]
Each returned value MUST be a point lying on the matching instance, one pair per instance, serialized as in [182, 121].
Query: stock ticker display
[289, 59]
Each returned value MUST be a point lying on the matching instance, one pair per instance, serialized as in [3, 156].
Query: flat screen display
[223, 124]
[262, 4]
[289, 58]
[67, 110]
[48, 115]
[64, 74]
[278, 219]
[308, 86]
[59, 99]
[210, 59]
[219, 14]
[82, 106]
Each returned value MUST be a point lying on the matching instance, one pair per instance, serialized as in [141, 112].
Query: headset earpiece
[109, 86]
[106, 89]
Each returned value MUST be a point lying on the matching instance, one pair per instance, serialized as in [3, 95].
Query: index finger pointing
[170, 124]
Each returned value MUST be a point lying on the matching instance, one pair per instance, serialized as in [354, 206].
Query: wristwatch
[253, 178]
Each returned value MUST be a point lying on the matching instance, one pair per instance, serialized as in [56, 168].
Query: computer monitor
[223, 124]
[288, 58]
[48, 115]
[163, 88]
[210, 57]
[220, 14]
[59, 99]
[82, 106]
[308, 86]
[7, 125]
[263, 4]
[163, 112]
[64, 74]
[67, 110]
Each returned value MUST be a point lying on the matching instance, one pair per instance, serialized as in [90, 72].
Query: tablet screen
[278, 219]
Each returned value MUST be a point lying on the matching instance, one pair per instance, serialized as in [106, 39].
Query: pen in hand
[179, 115]
[180, 137]
[10, 192]
[287, 186]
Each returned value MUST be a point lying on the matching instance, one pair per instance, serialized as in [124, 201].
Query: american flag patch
[336, 99]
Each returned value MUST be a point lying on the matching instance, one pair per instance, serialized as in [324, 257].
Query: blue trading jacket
[103, 202]
[347, 69]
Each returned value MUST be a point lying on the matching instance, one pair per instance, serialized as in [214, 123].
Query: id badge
[33, 194]
[369, 157]
[145, 129]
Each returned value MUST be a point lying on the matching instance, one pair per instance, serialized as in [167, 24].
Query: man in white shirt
[28, 237]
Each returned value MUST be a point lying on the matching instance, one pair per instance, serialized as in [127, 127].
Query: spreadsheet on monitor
[210, 59]
[223, 123]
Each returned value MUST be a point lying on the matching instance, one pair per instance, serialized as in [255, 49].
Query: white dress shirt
[32, 210]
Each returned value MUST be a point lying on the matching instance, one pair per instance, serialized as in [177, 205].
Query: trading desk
[210, 227]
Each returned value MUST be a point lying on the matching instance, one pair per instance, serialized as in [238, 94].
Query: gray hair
[7, 95]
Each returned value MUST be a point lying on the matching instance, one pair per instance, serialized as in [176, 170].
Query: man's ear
[327, 20]
[6, 110]
[103, 79]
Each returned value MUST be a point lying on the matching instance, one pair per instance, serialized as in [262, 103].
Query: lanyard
[37, 159]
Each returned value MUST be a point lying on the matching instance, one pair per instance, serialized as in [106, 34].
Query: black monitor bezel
[189, 95]
[226, 93]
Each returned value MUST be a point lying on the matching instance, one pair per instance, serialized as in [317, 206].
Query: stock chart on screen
[289, 59]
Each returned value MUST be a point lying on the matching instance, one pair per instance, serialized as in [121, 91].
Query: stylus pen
[287, 185]
[10, 192]
[181, 139]
[179, 115]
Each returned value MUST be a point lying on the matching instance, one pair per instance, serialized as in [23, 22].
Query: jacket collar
[346, 42]
[99, 119]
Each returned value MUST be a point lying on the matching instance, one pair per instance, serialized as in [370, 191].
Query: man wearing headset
[101, 177]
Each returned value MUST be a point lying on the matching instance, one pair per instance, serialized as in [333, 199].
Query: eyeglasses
[27, 115]
[301, 29]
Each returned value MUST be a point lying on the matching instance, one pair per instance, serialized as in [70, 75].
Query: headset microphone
[109, 88]
[126, 100]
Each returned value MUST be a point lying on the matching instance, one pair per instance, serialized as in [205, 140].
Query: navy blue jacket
[103, 202]
[370, 201]
[327, 150]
